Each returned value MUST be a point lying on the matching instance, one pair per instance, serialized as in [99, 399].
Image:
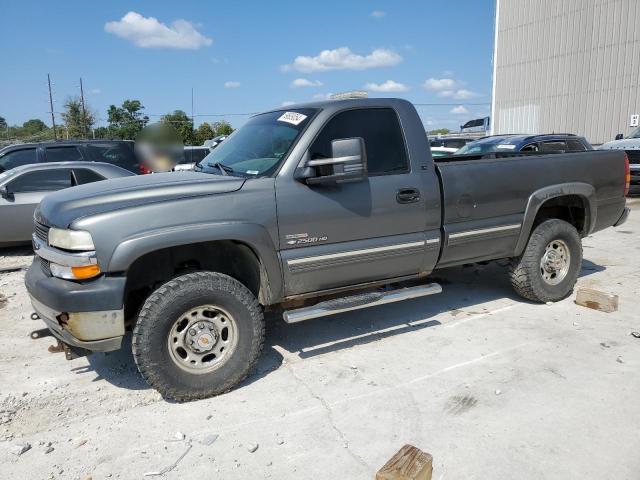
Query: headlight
[70, 239]
[74, 273]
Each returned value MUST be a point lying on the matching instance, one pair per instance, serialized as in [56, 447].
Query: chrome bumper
[96, 331]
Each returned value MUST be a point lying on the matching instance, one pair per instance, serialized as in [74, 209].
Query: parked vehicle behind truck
[631, 146]
[311, 210]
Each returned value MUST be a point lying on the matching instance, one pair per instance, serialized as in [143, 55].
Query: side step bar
[356, 302]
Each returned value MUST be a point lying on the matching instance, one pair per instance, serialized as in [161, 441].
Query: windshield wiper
[225, 169]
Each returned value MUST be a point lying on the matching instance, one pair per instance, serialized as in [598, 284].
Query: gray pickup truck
[310, 210]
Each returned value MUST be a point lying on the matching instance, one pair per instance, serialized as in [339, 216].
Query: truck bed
[484, 200]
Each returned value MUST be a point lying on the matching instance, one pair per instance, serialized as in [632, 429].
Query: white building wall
[566, 66]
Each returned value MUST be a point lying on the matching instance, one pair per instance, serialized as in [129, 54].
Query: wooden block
[409, 463]
[590, 298]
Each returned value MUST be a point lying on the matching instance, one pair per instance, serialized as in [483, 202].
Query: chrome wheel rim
[202, 339]
[555, 262]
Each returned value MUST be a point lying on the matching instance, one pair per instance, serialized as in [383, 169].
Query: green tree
[439, 131]
[125, 122]
[182, 124]
[222, 128]
[3, 124]
[204, 132]
[33, 127]
[101, 132]
[78, 123]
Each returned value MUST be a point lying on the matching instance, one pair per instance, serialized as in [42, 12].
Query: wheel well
[570, 208]
[232, 258]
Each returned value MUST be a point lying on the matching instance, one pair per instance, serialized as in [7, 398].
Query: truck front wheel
[197, 336]
[550, 264]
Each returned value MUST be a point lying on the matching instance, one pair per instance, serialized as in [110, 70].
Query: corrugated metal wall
[566, 66]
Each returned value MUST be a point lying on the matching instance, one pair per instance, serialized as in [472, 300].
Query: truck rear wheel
[549, 266]
[197, 336]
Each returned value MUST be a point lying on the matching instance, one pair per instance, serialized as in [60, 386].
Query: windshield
[635, 133]
[258, 147]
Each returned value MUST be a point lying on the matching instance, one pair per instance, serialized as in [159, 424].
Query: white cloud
[287, 103]
[459, 110]
[231, 84]
[388, 86]
[437, 84]
[322, 96]
[460, 94]
[148, 32]
[304, 82]
[344, 59]
[95, 91]
[378, 14]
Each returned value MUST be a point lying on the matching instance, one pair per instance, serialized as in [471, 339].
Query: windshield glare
[258, 147]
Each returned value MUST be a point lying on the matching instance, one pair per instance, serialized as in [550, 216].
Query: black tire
[525, 271]
[166, 305]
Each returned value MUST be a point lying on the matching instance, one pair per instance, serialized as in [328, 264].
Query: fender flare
[583, 190]
[254, 236]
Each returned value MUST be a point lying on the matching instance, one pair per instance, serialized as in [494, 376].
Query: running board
[356, 302]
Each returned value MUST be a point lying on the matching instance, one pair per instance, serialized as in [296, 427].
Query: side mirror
[5, 193]
[619, 136]
[348, 163]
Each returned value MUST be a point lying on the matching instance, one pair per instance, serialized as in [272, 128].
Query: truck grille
[634, 156]
[44, 265]
[42, 232]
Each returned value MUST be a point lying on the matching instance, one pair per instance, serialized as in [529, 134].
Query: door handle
[408, 195]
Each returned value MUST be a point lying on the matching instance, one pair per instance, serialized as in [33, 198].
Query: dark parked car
[547, 143]
[22, 188]
[115, 152]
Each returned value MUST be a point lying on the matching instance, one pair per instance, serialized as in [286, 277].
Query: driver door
[334, 235]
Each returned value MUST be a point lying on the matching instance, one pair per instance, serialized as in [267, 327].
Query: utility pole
[193, 123]
[53, 117]
[84, 115]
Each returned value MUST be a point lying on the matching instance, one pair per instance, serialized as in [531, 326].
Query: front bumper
[87, 315]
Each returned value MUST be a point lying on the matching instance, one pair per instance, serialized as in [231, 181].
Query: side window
[455, 143]
[553, 146]
[120, 154]
[532, 147]
[63, 154]
[42, 181]
[380, 129]
[84, 175]
[576, 146]
[17, 158]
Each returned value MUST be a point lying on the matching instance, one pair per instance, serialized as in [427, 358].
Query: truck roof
[345, 104]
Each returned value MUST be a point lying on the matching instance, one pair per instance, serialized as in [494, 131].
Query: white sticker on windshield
[506, 146]
[293, 118]
[253, 172]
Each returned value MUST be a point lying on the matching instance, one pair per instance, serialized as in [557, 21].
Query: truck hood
[624, 144]
[61, 208]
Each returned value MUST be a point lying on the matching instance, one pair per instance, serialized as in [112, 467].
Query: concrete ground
[492, 386]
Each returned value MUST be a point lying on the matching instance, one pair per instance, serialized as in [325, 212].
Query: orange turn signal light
[87, 271]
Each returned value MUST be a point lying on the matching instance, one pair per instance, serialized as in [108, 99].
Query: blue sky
[245, 56]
